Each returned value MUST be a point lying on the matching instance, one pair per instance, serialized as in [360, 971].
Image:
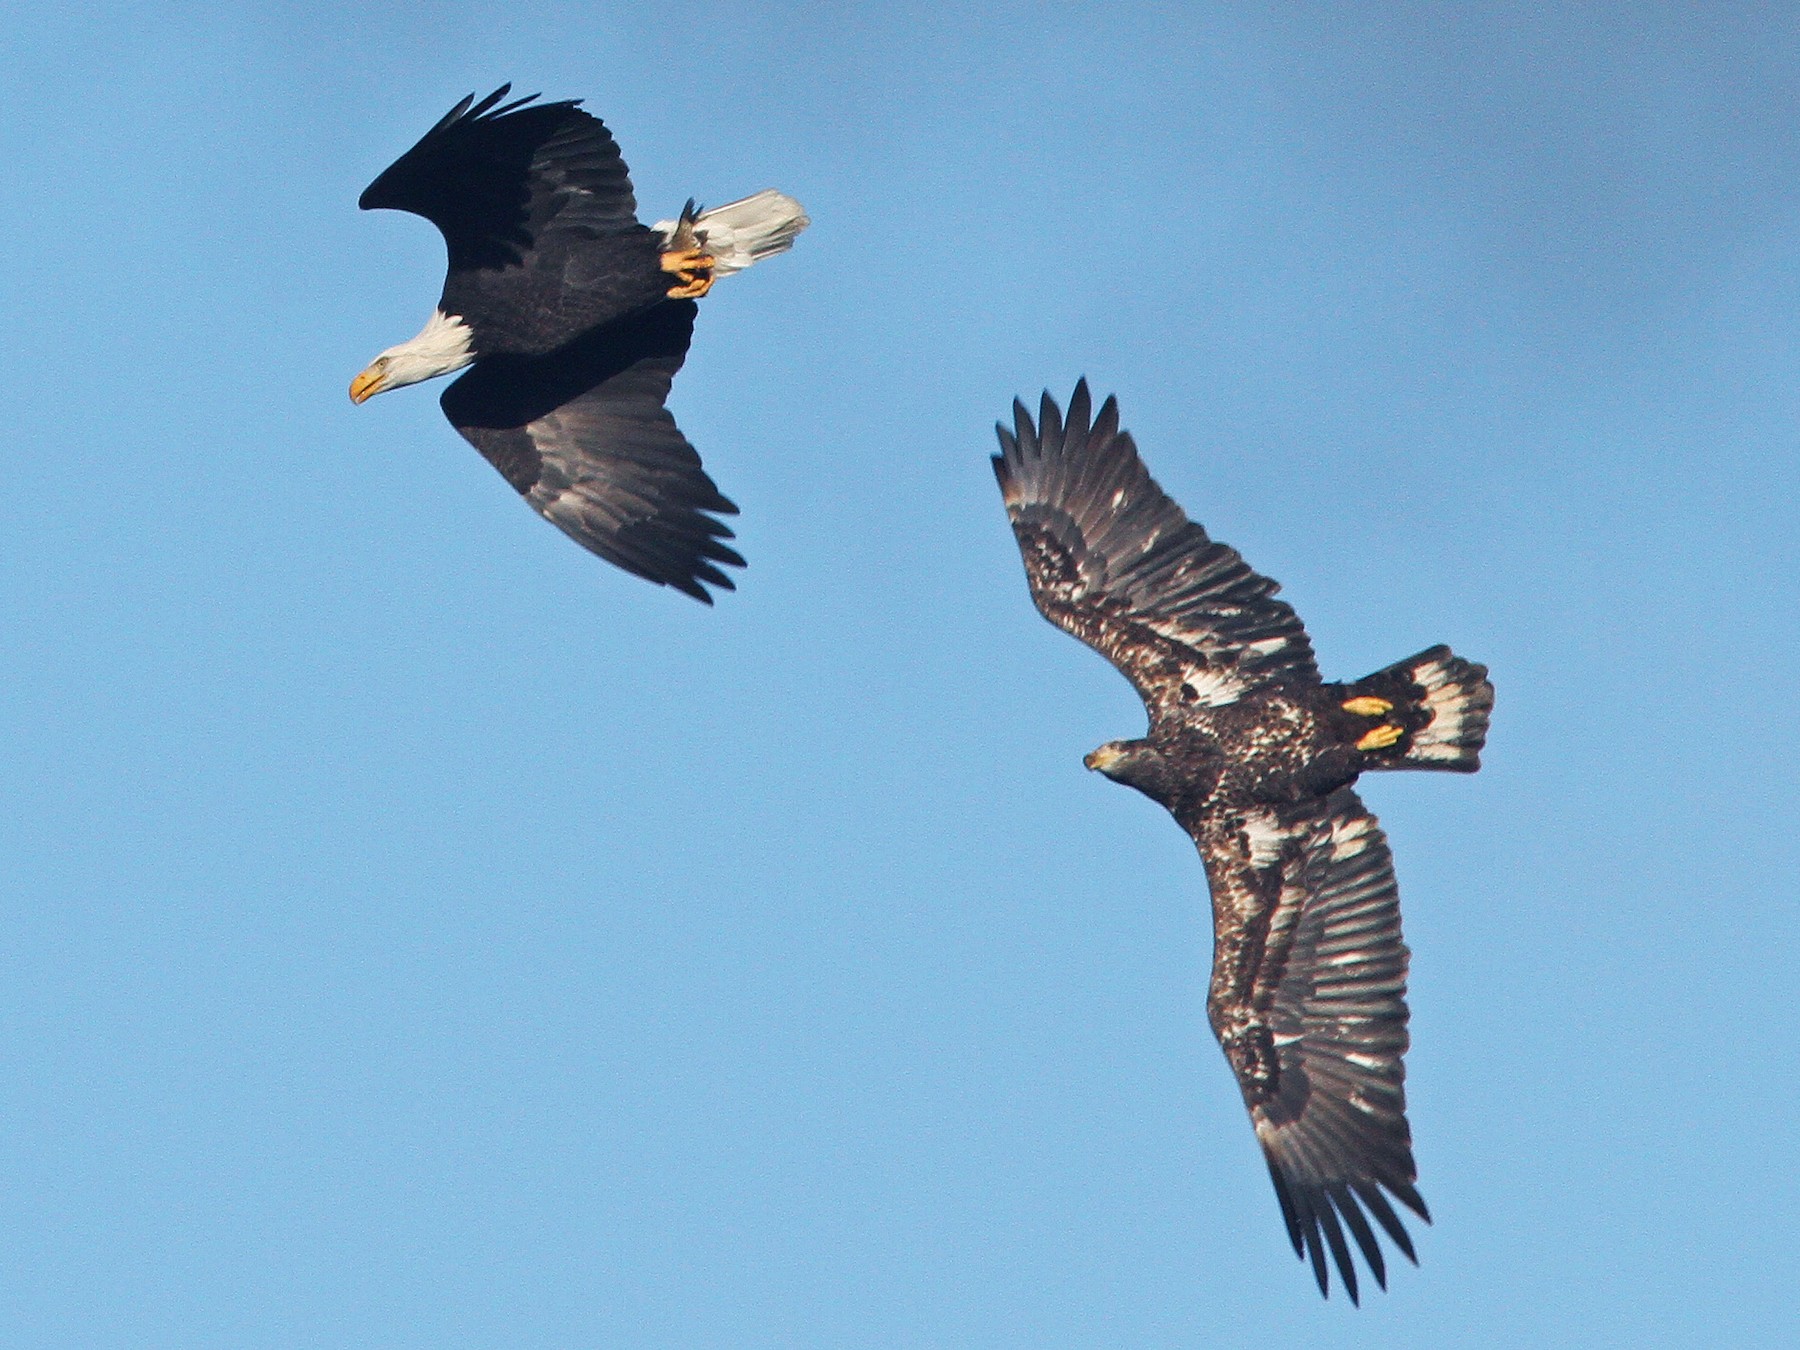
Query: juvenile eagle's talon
[1366, 705]
[1381, 738]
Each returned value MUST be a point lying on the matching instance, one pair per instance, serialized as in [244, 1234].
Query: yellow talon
[686, 260]
[1381, 738]
[692, 269]
[1367, 706]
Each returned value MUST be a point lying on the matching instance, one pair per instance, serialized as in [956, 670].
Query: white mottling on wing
[1213, 688]
[1350, 837]
[1265, 837]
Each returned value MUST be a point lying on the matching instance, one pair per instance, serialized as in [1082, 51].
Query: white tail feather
[748, 230]
[1457, 699]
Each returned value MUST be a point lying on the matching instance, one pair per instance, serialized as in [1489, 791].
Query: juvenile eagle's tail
[745, 231]
[1437, 701]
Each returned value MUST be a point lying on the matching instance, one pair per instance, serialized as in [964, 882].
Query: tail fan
[1439, 701]
[745, 231]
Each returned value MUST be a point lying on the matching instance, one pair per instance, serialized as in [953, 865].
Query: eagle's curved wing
[583, 435]
[1112, 560]
[497, 179]
[1308, 1000]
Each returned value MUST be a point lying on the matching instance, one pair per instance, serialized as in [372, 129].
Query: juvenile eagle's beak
[1102, 759]
[365, 385]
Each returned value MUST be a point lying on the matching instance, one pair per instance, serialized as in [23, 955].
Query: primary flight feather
[1254, 755]
[574, 318]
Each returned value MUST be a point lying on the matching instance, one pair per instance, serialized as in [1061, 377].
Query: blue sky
[417, 933]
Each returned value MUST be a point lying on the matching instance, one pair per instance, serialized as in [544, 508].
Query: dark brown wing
[499, 180]
[1112, 560]
[1308, 1000]
[583, 435]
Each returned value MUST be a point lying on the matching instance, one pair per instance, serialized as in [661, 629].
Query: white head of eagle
[443, 345]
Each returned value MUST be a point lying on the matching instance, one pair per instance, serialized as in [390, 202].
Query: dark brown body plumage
[1254, 755]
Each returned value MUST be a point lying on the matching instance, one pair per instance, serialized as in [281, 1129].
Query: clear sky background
[418, 933]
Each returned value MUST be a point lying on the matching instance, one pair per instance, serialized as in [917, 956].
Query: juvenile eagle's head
[443, 345]
[1136, 764]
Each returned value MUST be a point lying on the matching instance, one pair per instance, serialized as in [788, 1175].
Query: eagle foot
[1366, 705]
[692, 269]
[1381, 738]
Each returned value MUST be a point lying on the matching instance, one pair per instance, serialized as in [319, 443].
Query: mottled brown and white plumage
[1254, 755]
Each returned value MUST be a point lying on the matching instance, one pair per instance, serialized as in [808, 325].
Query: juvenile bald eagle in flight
[575, 319]
[1254, 755]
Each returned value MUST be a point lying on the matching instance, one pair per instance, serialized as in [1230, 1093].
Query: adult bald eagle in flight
[1254, 755]
[575, 318]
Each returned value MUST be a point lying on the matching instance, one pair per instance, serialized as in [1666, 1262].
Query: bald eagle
[574, 318]
[1254, 755]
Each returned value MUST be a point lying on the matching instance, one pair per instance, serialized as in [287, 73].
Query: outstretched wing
[1308, 1000]
[498, 178]
[583, 435]
[1112, 560]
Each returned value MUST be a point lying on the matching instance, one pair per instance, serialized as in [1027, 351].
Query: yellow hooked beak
[366, 385]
